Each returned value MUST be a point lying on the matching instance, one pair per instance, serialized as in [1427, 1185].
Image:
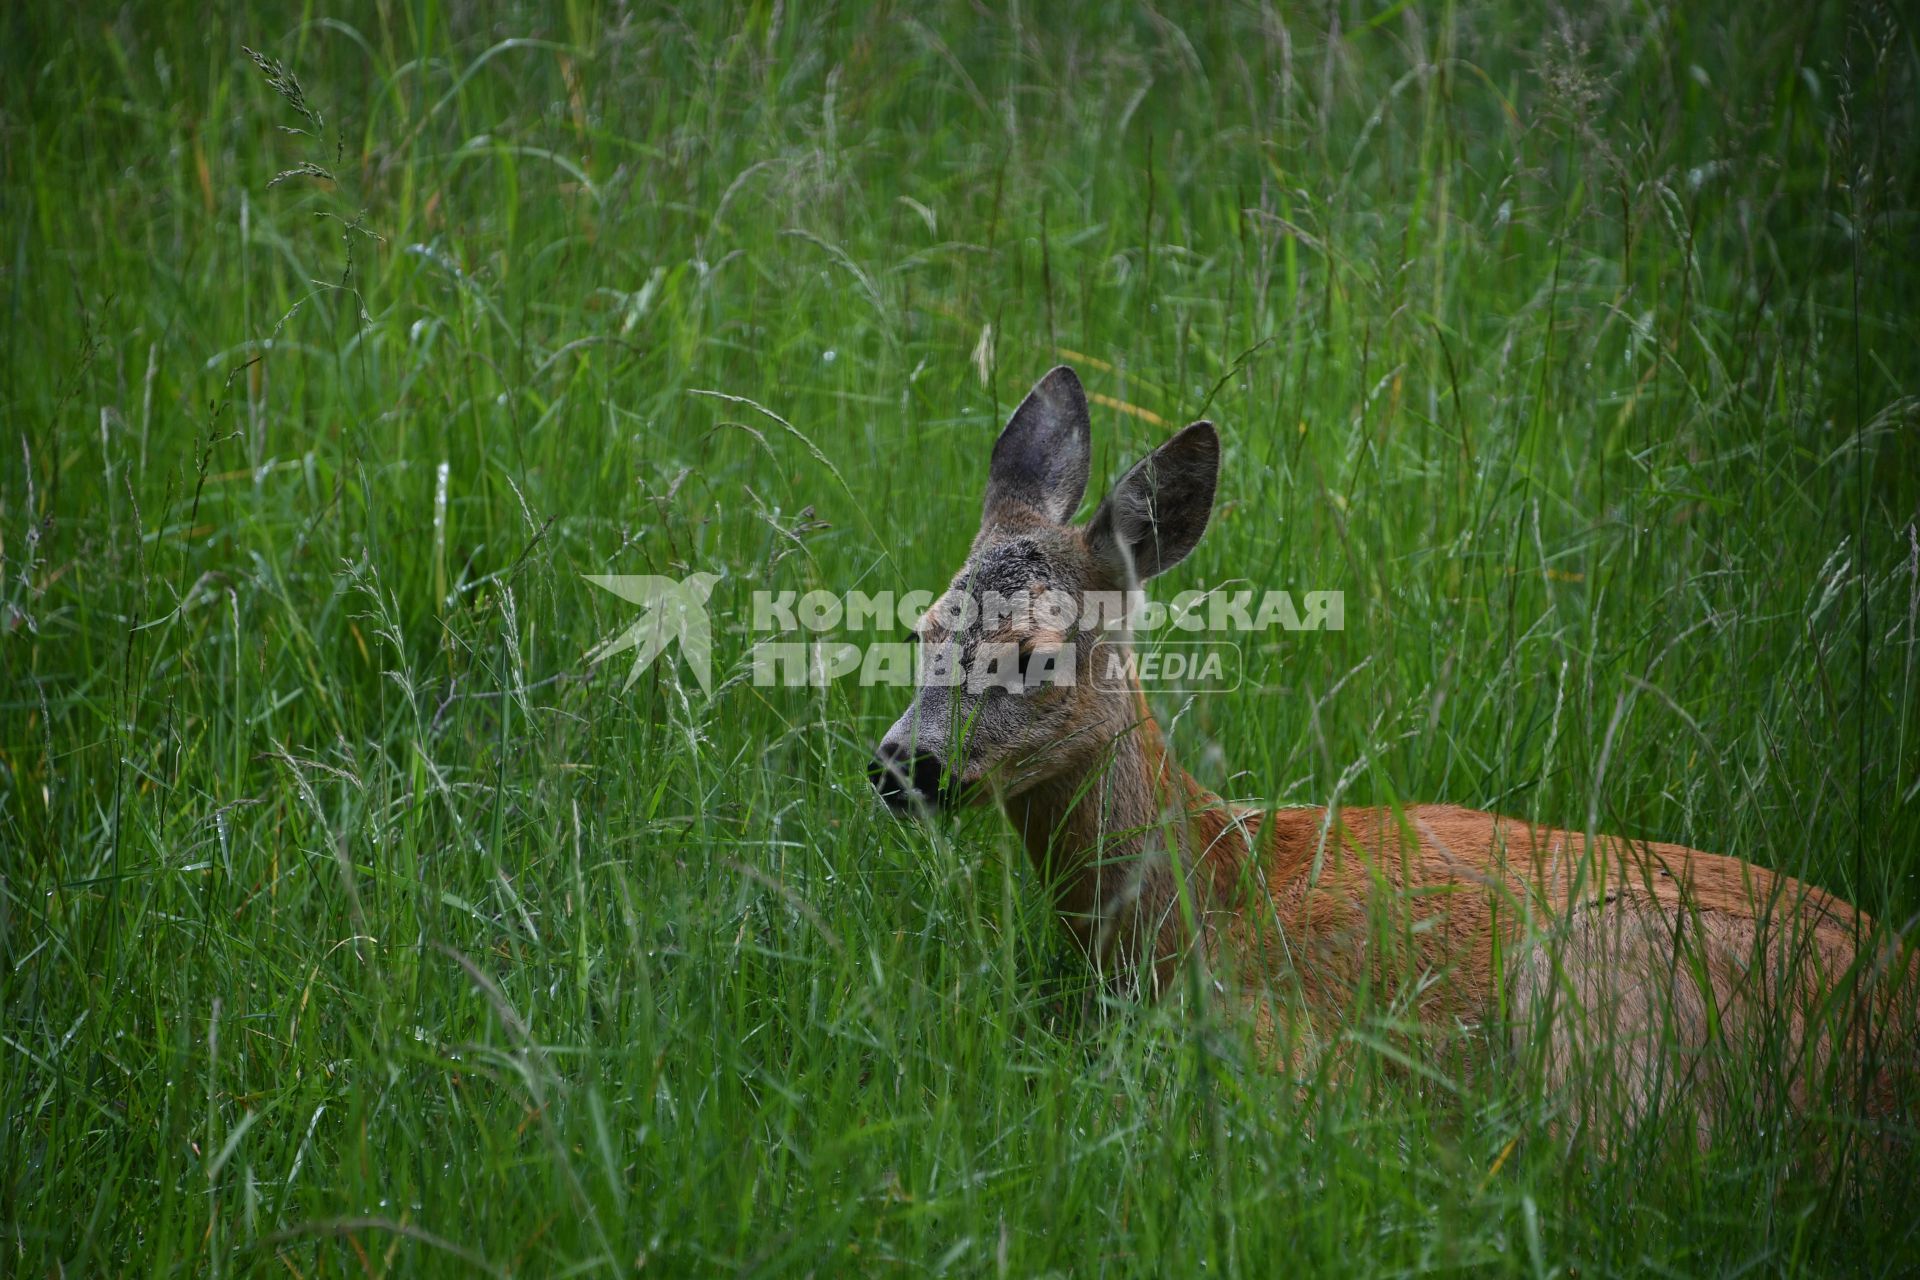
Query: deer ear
[1040, 461]
[1158, 511]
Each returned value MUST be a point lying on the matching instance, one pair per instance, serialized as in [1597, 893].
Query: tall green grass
[351, 924]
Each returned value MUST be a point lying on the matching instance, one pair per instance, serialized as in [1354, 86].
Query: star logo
[671, 611]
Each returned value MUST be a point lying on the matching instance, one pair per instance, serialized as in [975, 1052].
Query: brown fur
[1643, 958]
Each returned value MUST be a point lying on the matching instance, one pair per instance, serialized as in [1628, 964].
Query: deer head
[1008, 697]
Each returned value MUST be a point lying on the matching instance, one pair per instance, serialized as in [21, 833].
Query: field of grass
[350, 923]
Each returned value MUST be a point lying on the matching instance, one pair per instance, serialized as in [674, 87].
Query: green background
[351, 924]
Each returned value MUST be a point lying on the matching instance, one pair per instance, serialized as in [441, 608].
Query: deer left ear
[1040, 461]
[1158, 511]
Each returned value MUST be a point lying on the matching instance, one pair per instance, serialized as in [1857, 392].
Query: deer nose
[904, 780]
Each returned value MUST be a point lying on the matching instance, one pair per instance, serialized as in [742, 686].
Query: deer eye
[1040, 667]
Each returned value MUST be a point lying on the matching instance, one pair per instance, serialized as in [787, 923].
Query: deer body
[1114, 847]
[1635, 960]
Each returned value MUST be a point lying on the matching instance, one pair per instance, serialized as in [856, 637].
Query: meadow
[352, 923]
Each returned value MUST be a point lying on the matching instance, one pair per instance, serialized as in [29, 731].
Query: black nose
[904, 782]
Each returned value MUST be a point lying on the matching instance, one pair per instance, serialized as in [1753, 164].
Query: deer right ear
[1158, 511]
[1040, 461]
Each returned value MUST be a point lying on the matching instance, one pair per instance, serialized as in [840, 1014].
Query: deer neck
[1100, 831]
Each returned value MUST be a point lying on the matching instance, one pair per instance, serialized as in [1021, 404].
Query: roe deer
[1643, 961]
